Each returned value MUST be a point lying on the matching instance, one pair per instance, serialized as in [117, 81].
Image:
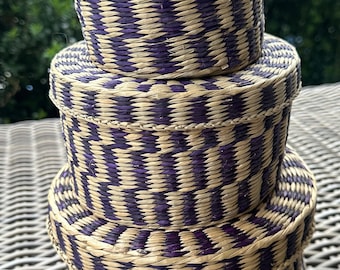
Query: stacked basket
[175, 117]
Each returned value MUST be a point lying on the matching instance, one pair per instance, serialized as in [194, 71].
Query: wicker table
[32, 152]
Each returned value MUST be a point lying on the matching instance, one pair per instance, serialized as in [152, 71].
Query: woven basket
[201, 155]
[172, 39]
[272, 236]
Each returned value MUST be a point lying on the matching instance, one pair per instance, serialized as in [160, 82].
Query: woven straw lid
[200, 151]
[81, 89]
[172, 39]
[272, 236]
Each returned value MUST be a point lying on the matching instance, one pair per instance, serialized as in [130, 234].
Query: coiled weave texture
[270, 237]
[202, 155]
[172, 39]
[79, 88]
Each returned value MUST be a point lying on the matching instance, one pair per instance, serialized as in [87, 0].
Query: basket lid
[267, 86]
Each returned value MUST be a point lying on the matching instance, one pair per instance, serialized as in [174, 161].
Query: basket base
[272, 236]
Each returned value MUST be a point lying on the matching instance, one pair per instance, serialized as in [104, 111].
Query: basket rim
[230, 88]
[298, 255]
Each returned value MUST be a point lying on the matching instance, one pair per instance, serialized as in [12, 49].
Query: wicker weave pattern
[80, 89]
[31, 154]
[172, 39]
[161, 165]
[282, 226]
[202, 155]
[190, 177]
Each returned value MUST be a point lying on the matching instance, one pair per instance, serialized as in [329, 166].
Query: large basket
[199, 151]
[172, 39]
[272, 236]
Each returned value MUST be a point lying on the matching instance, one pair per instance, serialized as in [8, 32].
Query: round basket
[272, 236]
[200, 151]
[172, 39]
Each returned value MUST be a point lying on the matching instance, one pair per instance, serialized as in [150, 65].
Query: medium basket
[272, 236]
[172, 39]
[201, 151]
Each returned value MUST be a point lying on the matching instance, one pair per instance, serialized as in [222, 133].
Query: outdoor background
[33, 31]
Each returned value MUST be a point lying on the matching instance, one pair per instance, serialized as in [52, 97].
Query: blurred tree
[33, 31]
[312, 26]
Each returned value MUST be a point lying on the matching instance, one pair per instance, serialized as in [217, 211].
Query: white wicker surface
[32, 152]
[315, 134]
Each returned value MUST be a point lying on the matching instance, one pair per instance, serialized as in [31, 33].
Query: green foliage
[312, 26]
[33, 31]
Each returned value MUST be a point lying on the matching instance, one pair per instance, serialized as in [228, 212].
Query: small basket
[272, 236]
[172, 39]
[201, 151]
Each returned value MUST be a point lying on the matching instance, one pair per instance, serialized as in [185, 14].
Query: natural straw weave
[199, 151]
[272, 236]
[80, 89]
[172, 39]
